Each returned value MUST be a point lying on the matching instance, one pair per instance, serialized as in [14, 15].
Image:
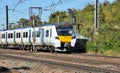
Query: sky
[20, 8]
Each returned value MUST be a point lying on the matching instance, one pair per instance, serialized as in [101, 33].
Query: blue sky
[22, 9]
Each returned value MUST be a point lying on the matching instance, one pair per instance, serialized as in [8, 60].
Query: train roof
[20, 28]
[47, 25]
[55, 24]
[63, 24]
[58, 24]
[23, 27]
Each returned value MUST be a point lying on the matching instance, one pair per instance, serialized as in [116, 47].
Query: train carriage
[25, 36]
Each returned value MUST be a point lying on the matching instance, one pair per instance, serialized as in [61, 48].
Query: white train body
[18, 37]
[48, 36]
[1, 37]
[4, 39]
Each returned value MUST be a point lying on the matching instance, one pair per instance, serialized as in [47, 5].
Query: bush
[107, 41]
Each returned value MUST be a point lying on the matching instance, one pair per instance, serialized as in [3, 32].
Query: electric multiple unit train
[53, 37]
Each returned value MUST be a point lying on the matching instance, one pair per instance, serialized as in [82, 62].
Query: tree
[101, 14]
[36, 19]
[54, 17]
[106, 2]
[23, 22]
[117, 0]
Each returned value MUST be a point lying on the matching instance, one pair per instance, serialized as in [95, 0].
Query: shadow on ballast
[8, 70]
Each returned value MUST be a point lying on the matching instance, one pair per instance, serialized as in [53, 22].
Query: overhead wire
[19, 2]
[56, 5]
[84, 3]
[53, 5]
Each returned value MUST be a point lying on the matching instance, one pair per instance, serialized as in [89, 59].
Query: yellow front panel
[65, 38]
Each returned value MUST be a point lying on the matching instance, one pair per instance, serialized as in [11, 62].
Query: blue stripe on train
[42, 38]
[6, 37]
[14, 38]
[30, 37]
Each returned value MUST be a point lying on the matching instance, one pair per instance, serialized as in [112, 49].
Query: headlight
[73, 37]
[56, 37]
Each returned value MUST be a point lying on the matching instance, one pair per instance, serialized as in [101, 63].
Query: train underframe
[65, 47]
[28, 47]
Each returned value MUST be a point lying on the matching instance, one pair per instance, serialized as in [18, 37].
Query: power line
[19, 2]
[53, 5]
[84, 3]
[60, 1]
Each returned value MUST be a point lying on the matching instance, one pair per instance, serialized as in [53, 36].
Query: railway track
[82, 60]
[79, 59]
[75, 66]
[95, 55]
[65, 61]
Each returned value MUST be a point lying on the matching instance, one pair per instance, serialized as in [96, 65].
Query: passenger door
[47, 36]
[43, 36]
[30, 40]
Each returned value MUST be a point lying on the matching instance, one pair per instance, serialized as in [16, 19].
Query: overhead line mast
[6, 17]
[96, 17]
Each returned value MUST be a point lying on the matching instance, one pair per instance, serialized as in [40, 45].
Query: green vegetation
[23, 22]
[107, 41]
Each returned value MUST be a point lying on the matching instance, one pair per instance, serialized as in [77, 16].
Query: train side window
[8, 35]
[47, 33]
[26, 34]
[19, 35]
[3, 35]
[23, 34]
[16, 35]
[11, 35]
[37, 33]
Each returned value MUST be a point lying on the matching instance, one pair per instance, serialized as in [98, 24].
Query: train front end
[66, 37]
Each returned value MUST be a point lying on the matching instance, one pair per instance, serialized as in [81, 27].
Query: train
[53, 37]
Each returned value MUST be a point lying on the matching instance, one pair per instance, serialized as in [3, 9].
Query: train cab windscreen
[65, 30]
